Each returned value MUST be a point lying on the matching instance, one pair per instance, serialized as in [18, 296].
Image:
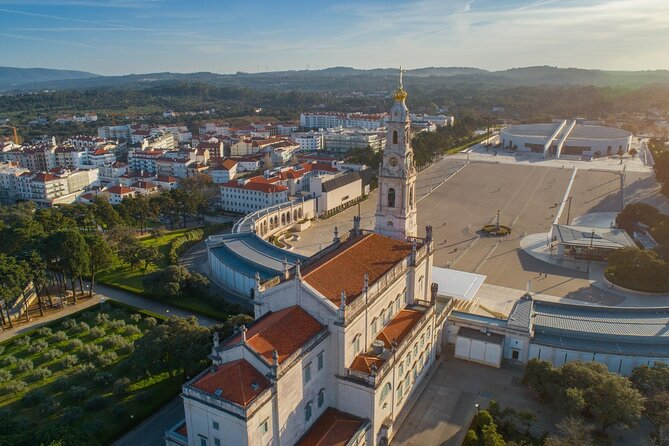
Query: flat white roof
[458, 284]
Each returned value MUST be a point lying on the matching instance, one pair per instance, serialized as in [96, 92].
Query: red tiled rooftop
[256, 185]
[333, 428]
[344, 269]
[120, 190]
[396, 330]
[284, 331]
[238, 382]
[399, 327]
[183, 429]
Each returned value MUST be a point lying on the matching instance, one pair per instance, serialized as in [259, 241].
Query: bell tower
[396, 208]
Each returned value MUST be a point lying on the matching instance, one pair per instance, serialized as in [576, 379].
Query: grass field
[126, 278]
[75, 371]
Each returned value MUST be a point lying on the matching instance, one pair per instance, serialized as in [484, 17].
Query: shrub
[24, 365]
[107, 358]
[69, 361]
[40, 373]
[143, 397]
[135, 317]
[60, 336]
[15, 386]
[83, 327]
[102, 318]
[22, 342]
[9, 360]
[97, 332]
[2, 349]
[77, 393]
[43, 331]
[90, 351]
[117, 323]
[113, 341]
[38, 346]
[182, 243]
[52, 354]
[5, 375]
[73, 414]
[49, 406]
[96, 403]
[69, 324]
[75, 344]
[120, 387]
[62, 384]
[132, 330]
[150, 322]
[87, 369]
[126, 348]
[103, 379]
[34, 398]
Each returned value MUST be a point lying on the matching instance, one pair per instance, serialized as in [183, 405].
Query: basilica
[341, 340]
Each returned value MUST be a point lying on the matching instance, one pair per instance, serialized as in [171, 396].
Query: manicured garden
[169, 245]
[79, 372]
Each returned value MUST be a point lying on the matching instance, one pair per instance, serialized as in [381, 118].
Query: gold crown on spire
[400, 94]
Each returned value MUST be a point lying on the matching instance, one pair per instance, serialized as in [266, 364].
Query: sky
[113, 37]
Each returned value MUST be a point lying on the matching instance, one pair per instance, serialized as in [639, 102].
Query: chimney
[285, 269]
[336, 235]
[356, 225]
[242, 329]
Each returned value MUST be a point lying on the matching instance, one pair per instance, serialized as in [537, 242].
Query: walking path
[101, 293]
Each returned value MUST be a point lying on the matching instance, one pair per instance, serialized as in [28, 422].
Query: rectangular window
[203, 442]
[215, 425]
[307, 373]
[356, 344]
[217, 442]
[320, 360]
[264, 426]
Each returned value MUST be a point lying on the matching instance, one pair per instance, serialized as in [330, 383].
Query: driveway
[151, 432]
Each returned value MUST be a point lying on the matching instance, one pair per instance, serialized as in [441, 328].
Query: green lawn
[75, 371]
[122, 276]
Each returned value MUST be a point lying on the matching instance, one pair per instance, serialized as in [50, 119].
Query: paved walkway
[151, 432]
[102, 293]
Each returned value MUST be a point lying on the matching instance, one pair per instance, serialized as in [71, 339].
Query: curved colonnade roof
[247, 253]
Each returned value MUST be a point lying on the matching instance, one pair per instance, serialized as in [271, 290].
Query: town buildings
[341, 140]
[326, 120]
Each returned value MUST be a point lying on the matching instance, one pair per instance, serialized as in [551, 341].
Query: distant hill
[334, 79]
[10, 76]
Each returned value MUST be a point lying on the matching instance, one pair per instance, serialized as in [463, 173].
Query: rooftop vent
[255, 386]
[218, 392]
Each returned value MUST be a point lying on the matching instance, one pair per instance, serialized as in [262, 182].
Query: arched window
[307, 412]
[410, 197]
[384, 393]
[382, 316]
[395, 137]
[356, 343]
[321, 397]
[391, 198]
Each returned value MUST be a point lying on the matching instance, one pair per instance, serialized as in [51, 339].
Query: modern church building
[566, 138]
[341, 340]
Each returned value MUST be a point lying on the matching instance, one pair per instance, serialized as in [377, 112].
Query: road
[102, 293]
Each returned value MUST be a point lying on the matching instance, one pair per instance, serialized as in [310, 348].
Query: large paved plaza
[527, 196]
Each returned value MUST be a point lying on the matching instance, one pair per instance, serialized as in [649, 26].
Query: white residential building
[342, 140]
[9, 174]
[251, 194]
[114, 132]
[308, 141]
[144, 160]
[224, 172]
[326, 120]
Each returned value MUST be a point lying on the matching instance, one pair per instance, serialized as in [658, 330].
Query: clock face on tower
[393, 162]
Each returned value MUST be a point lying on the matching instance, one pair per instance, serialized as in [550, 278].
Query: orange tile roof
[396, 330]
[345, 268]
[333, 428]
[256, 185]
[238, 382]
[399, 327]
[183, 429]
[284, 331]
[363, 363]
[120, 190]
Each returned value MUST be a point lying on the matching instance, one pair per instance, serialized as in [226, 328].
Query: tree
[101, 256]
[613, 401]
[148, 255]
[638, 269]
[653, 383]
[633, 214]
[661, 168]
[573, 431]
[69, 250]
[178, 344]
[543, 378]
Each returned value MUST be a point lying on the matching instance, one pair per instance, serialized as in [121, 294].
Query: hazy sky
[139, 36]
